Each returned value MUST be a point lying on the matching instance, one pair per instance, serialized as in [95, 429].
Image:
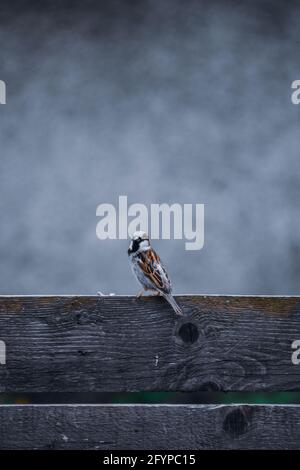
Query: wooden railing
[118, 344]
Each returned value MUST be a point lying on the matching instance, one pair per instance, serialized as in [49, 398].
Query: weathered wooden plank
[111, 344]
[149, 427]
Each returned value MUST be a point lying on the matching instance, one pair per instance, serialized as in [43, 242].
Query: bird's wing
[150, 264]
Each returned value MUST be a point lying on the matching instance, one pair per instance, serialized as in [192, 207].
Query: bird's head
[139, 242]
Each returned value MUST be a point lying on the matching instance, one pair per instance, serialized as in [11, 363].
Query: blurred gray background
[163, 101]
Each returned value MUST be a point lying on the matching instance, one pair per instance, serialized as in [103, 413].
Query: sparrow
[148, 269]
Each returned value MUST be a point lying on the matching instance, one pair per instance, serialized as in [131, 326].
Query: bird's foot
[140, 293]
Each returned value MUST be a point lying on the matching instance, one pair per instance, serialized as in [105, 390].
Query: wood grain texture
[111, 344]
[188, 427]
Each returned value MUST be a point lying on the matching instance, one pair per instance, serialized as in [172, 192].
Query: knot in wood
[236, 423]
[189, 333]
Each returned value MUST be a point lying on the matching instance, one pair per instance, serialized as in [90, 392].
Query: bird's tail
[173, 303]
